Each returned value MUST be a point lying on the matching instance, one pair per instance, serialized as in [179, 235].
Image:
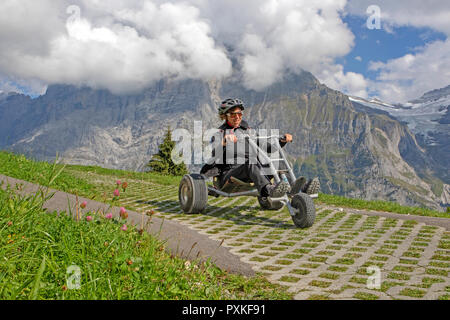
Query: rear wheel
[193, 193]
[305, 210]
[266, 205]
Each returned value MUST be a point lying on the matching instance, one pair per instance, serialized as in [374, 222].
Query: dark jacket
[216, 167]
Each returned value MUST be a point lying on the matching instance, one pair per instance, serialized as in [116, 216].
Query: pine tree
[162, 161]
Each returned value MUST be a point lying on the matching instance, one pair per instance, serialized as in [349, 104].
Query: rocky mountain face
[428, 118]
[355, 150]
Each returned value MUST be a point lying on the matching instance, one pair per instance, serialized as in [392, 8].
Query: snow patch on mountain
[422, 115]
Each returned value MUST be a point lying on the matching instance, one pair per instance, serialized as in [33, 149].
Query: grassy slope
[383, 206]
[39, 247]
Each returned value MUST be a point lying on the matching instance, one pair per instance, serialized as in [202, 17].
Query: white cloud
[110, 51]
[412, 75]
[350, 82]
[290, 35]
[126, 45]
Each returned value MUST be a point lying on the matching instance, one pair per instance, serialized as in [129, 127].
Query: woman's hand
[288, 138]
[229, 138]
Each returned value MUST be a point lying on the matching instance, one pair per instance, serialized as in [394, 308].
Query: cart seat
[233, 185]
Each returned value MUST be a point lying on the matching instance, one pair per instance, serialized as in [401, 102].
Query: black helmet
[228, 104]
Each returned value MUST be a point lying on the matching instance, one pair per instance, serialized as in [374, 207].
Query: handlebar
[282, 137]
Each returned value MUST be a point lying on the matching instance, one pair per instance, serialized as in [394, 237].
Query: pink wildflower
[123, 213]
[89, 218]
[116, 192]
[124, 228]
[108, 216]
[83, 204]
[118, 182]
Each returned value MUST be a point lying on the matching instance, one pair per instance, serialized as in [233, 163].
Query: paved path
[347, 254]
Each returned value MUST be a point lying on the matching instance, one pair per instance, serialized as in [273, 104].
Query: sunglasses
[233, 114]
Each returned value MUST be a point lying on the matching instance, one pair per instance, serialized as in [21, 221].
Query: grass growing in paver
[421, 244]
[384, 251]
[358, 280]
[259, 259]
[326, 253]
[333, 248]
[365, 296]
[310, 265]
[269, 254]
[444, 244]
[271, 268]
[318, 297]
[292, 256]
[347, 261]
[373, 264]
[398, 276]
[331, 276]
[386, 285]
[437, 272]
[302, 272]
[246, 251]
[379, 258]
[310, 245]
[318, 259]
[430, 281]
[337, 268]
[409, 261]
[301, 250]
[284, 262]
[290, 279]
[439, 264]
[320, 284]
[278, 248]
[357, 249]
[415, 293]
[403, 269]
[411, 254]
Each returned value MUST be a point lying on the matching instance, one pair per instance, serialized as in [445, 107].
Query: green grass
[365, 296]
[38, 249]
[19, 167]
[377, 205]
[415, 293]
[143, 176]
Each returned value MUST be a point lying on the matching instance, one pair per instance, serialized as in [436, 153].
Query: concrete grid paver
[327, 260]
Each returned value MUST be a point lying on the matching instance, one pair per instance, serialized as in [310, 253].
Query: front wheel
[193, 193]
[305, 210]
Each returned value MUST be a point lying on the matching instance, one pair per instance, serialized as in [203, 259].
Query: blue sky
[380, 45]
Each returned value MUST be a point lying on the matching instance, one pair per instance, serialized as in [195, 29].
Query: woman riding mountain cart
[240, 166]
